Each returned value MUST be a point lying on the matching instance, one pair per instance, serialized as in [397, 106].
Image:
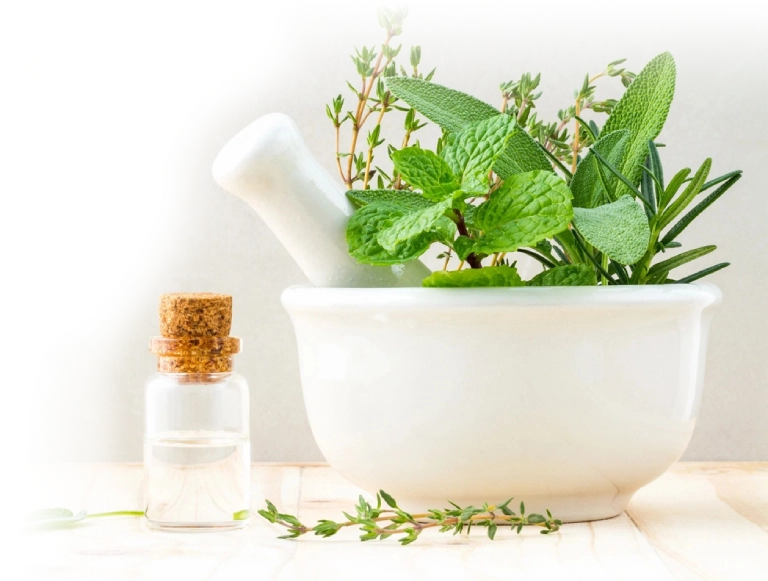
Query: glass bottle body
[197, 451]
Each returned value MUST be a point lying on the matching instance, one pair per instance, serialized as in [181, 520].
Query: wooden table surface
[698, 521]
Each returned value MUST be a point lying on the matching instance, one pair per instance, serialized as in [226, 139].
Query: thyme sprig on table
[382, 523]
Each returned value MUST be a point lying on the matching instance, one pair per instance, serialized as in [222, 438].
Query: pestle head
[236, 166]
[268, 166]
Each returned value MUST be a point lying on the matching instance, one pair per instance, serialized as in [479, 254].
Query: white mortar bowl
[568, 398]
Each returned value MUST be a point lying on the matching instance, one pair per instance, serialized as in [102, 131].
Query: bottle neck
[197, 378]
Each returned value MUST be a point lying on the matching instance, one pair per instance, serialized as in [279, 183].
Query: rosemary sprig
[382, 523]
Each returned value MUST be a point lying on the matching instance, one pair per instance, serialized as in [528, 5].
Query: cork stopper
[194, 330]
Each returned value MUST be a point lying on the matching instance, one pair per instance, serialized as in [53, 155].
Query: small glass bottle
[196, 442]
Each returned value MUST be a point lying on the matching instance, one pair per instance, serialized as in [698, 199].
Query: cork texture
[195, 315]
[195, 334]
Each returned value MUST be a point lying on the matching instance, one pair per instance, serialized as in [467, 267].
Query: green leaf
[690, 192]
[364, 227]
[474, 151]
[702, 273]
[536, 519]
[488, 276]
[453, 111]
[642, 110]
[244, 514]
[404, 200]
[568, 275]
[620, 230]
[553, 159]
[683, 223]
[656, 167]
[587, 186]
[463, 245]
[622, 178]
[47, 513]
[425, 170]
[54, 517]
[412, 226]
[526, 209]
[684, 257]
[388, 499]
[492, 530]
[671, 190]
[523, 154]
[450, 109]
[721, 179]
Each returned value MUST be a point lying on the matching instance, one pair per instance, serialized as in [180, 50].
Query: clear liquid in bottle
[197, 480]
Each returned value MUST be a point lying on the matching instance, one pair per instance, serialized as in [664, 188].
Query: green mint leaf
[54, 517]
[412, 226]
[488, 276]
[463, 246]
[620, 230]
[475, 150]
[568, 275]
[425, 170]
[404, 200]
[643, 110]
[453, 111]
[526, 209]
[588, 183]
[364, 227]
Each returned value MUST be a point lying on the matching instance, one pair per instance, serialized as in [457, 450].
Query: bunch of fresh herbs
[592, 206]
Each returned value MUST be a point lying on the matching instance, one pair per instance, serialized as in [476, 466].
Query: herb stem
[383, 106]
[116, 513]
[362, 100]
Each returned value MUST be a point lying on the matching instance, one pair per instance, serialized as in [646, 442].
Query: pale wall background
[112, 113]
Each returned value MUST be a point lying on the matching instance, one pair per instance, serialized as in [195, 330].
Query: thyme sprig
[376, 522]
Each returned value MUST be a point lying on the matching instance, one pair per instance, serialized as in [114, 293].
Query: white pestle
[268, 165]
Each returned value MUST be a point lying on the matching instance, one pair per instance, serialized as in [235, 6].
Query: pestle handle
[268, 165]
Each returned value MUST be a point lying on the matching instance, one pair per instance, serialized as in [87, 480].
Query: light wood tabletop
[698, 521]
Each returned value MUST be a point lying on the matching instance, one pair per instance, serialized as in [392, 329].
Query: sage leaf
[567, 275]
[620, 229]
[475, 150]
[453, 111]
[404, 200]
[487, 276]
[642, 110]
[526, 209]
[425, 170]
[364, 227]
[450, 109]
[587, 185]
[412, 225]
